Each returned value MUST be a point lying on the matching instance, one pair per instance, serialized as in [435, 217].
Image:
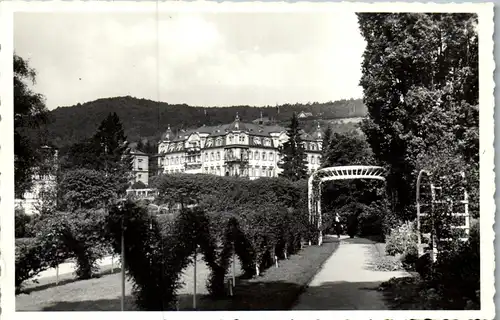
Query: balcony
[193, 150]
[235, 159]
[192, 162]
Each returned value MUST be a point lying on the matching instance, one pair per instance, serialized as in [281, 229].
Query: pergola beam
[331, 174]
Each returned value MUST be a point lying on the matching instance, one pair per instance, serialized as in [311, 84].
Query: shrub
[402, 240]
[371, 219]
[456, 274]
[32, 256]
[29, 260]
[22, 224]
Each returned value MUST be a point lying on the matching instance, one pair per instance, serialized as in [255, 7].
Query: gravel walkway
[345, 282]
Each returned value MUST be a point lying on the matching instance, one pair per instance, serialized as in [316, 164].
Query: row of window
[265, 156]
[314, 160]
[252, 171]
[241, 139]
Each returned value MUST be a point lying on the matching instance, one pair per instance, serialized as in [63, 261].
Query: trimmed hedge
[60, 236]
[256, 220]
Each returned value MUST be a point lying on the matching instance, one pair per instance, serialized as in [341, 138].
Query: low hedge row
[257, 220]
[79, 235]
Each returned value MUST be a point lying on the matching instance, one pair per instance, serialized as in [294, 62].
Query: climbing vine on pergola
[331, 174]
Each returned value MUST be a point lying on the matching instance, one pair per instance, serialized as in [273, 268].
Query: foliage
[420, 82]
[22, 222]
[107, 152]
[73, 124]
[85, 188]
[86, 240]
[347, 149]
[293, 161]
[402, 239]
[30, 260]
[327, 138]
[29, 112]
[456, 274]
[254, 220]
[138, 185]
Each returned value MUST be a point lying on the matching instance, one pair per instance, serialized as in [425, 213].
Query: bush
[402, 240]
[257, 220]
[29, 260]
[456, 274]
[33, 255]
[22, 224]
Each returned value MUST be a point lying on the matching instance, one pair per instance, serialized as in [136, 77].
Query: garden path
[346, 282]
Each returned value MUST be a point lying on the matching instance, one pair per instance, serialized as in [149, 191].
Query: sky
[202, 59]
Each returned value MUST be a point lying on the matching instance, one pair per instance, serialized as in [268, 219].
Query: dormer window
[218, 142]
[242, 139]
[230, 138]
[209, 142]
[267, 142]
[256, 140]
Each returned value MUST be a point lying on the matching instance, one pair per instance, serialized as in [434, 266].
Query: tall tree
[327, 138]
[29, 112]
[107, 152]
[293, 162]
[420, 83]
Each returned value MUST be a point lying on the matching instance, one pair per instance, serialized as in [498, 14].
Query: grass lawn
[275, 289]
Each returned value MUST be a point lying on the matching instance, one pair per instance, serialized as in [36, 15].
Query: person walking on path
[337, 224]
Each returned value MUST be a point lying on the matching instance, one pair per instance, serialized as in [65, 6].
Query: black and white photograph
[247, 157]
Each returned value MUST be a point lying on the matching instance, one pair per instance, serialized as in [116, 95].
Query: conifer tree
[293, 162]
[327, 138]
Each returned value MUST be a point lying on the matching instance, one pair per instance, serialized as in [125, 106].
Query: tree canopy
[420, 84]
[30, 112]
[293, 161]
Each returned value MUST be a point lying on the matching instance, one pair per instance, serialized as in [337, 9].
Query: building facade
[140, 167]
[44, 183]
[235, 149]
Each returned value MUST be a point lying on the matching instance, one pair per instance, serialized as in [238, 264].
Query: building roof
[252, 129]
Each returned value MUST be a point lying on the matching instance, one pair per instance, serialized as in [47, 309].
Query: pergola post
[335, 173]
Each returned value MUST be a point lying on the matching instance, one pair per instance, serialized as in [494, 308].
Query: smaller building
[44, 183]
[140, 167]
[303, 115]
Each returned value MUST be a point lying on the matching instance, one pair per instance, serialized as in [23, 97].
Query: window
[313, 146]
[242, 139]
[218, 142]
[256, 140]
[251, 172]
[211, 156]
[218, 155]
[263, 156]
[206, 169]
[319, 160]
[140, 160]
[312, 159]
[256, 155]
[209, 143]
[139, 176]
[177, 160]
[250, 155]
[218, 171]
[271, 156]
[267, 142]
[230, 139]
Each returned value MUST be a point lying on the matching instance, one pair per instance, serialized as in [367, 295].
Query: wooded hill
[142, 118]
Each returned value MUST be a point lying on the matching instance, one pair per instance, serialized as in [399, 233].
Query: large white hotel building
[235, 149]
